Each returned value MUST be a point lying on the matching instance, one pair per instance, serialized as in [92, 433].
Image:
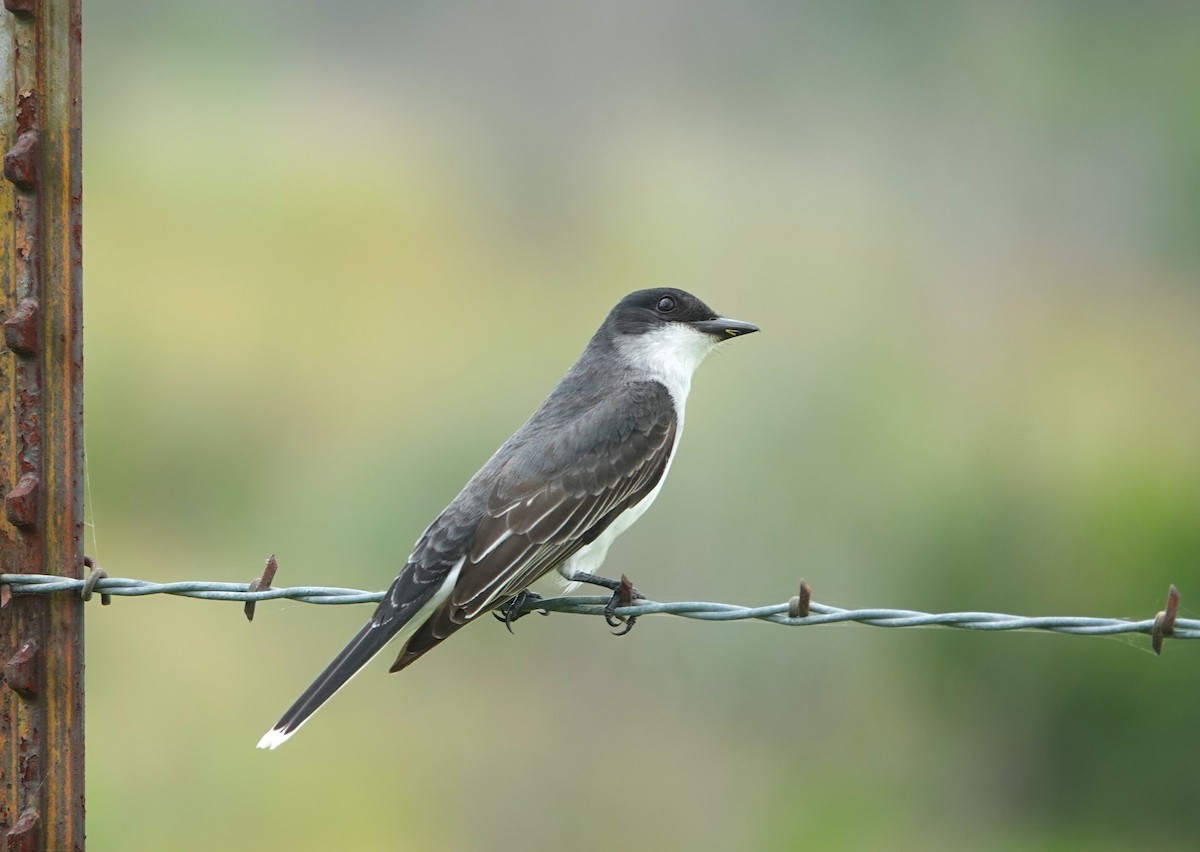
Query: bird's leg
[623, 594]
[515, 608]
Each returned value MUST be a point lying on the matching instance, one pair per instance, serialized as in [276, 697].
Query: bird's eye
[666, 304]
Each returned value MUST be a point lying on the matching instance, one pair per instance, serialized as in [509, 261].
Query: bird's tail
[362, 648]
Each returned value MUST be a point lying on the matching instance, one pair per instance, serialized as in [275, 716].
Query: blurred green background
[337, 252]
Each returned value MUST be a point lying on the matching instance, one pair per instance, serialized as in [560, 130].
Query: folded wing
[550, 501]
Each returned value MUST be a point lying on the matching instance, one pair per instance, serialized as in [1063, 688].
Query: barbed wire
[800, 611]
[48, 584]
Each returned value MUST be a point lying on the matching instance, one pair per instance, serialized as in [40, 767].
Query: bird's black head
[647, 310]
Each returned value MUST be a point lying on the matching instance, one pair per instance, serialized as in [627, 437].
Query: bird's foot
[516, 608]
[623, 595]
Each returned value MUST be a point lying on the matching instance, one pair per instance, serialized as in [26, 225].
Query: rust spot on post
[20, 163]
[27, 111]
[26, 8]
[20, 330]
[21, 672]
[23, 836]
[21, 503]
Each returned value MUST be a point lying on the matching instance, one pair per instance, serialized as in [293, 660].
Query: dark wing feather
[548, 505]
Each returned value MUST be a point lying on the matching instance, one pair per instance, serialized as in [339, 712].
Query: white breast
[669, 355]
[589, 558]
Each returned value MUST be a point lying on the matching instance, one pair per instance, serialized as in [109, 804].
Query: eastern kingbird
[582, 469]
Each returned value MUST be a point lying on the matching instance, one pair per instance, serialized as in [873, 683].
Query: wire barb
[1164, 622]
[799, 605]
[261, 583]
[95, 575]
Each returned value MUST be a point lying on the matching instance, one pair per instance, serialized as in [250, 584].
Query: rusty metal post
[41, 424]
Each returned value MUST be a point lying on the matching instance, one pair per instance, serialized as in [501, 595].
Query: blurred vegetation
[336, 253]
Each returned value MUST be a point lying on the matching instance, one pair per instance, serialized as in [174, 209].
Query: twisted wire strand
[1183, 628]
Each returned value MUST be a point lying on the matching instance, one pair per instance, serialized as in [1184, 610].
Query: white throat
[670, 355]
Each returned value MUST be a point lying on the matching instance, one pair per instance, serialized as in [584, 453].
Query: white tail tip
[274, 738]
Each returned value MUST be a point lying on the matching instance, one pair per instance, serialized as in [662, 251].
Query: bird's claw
[623, 595]
[515, 608]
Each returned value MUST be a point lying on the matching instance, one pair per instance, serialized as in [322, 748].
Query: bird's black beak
[724, 328]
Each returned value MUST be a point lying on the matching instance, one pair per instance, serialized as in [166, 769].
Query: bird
[586, 464]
